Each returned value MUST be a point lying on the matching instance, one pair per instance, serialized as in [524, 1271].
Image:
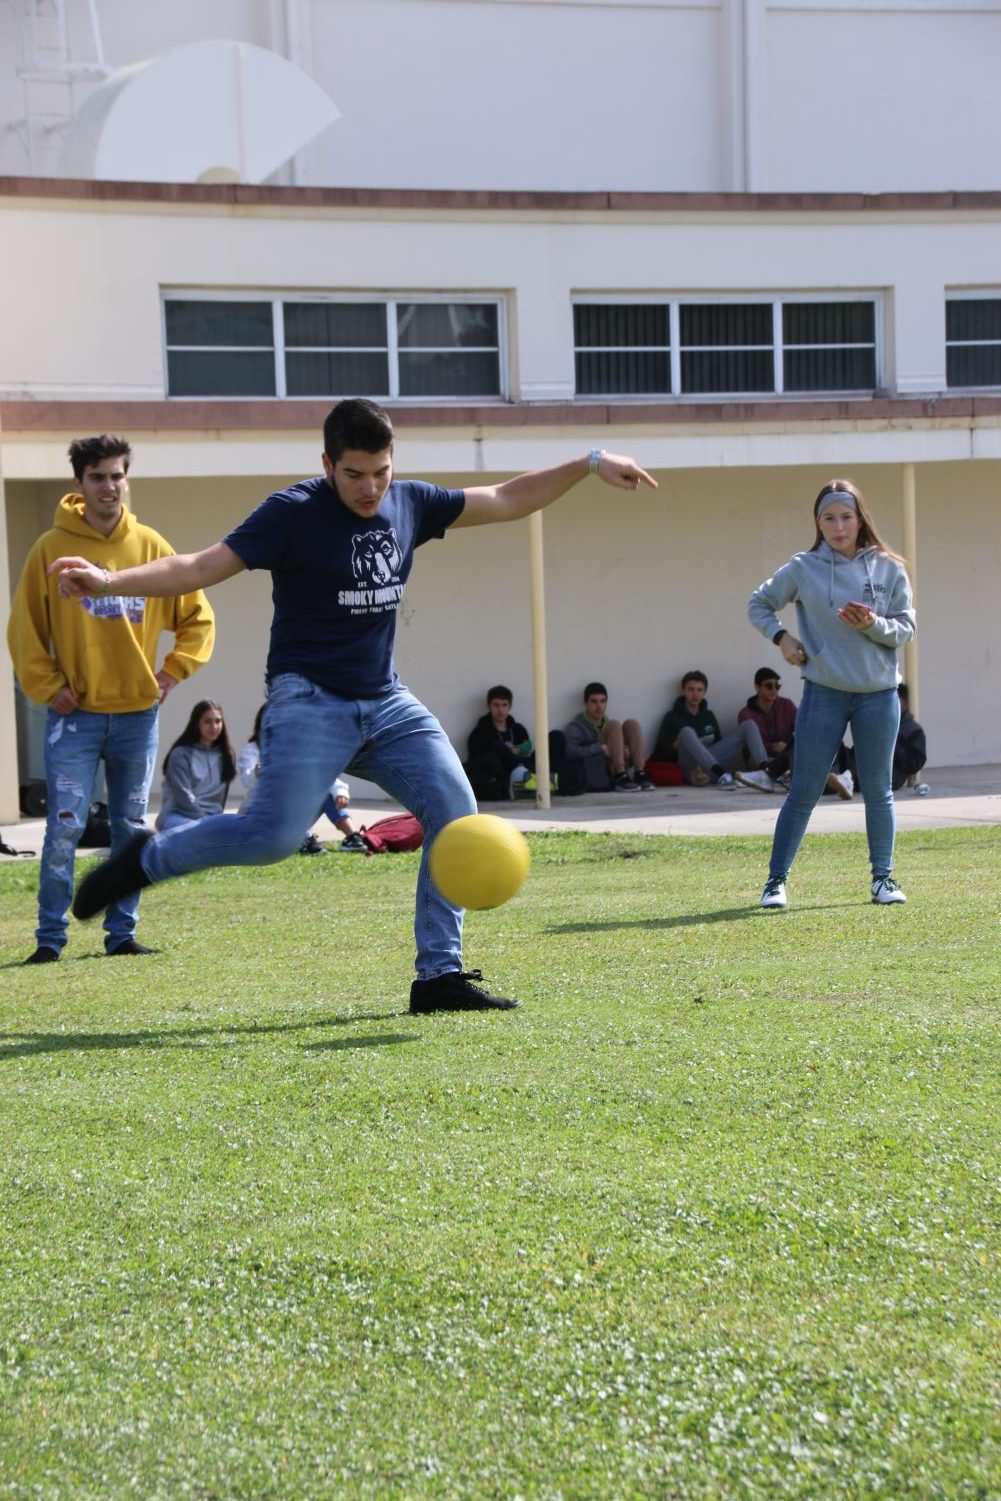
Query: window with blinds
[381, 347]
[973, 340]
[219, 348]
[678, 347]
[622, 349]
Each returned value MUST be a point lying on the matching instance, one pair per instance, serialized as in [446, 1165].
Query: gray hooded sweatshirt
[821, 582]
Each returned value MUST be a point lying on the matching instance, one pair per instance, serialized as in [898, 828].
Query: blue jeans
[75, 744]
[175, 821]
[728, 752]
[335, 814]
[823, 717]
[309, 737]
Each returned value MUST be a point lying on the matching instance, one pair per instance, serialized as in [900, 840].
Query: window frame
[390, 302]
[674, 303]
[969, 294]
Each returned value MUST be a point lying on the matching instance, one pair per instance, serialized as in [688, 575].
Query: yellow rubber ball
[479, 861]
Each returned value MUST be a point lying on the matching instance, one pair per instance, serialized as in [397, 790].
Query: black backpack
[97, 834]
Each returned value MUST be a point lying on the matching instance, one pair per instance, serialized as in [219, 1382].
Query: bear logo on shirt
[376, 559]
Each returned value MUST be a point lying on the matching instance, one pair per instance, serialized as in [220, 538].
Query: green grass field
[715, 1215]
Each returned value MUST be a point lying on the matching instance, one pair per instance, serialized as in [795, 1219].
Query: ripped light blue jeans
[75, 745]
[308, 738]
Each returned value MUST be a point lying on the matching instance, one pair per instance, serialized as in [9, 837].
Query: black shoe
[353, 844]
[43, 955]
[311, 846]
[455, 992]
[114, 878]
[129, 946]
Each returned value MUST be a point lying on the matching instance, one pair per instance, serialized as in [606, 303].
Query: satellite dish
[205, 112]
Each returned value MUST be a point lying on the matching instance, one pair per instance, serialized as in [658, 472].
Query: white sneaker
[774, 894]
[841, 783]
[759, 780]
[727, 782]
[885, 891]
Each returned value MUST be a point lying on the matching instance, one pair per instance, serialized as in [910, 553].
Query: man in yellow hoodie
[93, 666]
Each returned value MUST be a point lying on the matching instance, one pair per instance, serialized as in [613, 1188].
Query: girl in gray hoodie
[853, 612]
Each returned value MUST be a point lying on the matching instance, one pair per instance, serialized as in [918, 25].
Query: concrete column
[540, 676]
[910, 536]
[10, 811]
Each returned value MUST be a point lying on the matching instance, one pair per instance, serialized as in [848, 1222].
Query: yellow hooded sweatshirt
[103, 649]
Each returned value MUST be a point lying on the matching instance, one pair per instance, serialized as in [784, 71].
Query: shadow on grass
[679, 920]
[381, 1040]
[693, 919]
[25, 1044]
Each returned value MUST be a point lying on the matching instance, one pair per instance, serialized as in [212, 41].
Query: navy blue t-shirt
[338, 578]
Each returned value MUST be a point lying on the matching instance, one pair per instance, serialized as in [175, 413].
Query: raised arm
[181, 573]
[526, 493]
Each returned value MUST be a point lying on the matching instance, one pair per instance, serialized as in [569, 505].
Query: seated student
[335, 804]
[197, 770]
[501, 755]
[601, 753]
[690, 734]
[911, 751]
[776, 719]
[774, 715]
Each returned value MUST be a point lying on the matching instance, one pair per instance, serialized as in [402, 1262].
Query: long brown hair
[868, 536]
[190, 736]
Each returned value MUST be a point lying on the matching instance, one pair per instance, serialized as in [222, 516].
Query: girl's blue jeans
[310, 737]
[824, 716]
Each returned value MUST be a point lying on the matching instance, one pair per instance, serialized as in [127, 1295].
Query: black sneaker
[311, 846]
[43, 955]
[114, 878]
[625, 783]
[455, 992]
[128, 946]
[643, 782]
[353, 844]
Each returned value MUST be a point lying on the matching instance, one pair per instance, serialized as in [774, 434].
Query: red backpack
[401, 831]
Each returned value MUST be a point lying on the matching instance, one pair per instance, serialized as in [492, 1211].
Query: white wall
[655, 95]
[123, 253]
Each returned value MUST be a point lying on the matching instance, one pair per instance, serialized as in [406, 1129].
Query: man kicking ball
[339, 549]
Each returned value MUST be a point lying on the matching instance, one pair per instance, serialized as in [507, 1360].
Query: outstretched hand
[77, 577]
[623, 473]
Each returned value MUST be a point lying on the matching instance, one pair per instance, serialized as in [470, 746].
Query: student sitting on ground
[603, 754]
[690, 734]
[776, 719]
[335, 804]
[501, 754]
[197, 770]
[910, 751]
